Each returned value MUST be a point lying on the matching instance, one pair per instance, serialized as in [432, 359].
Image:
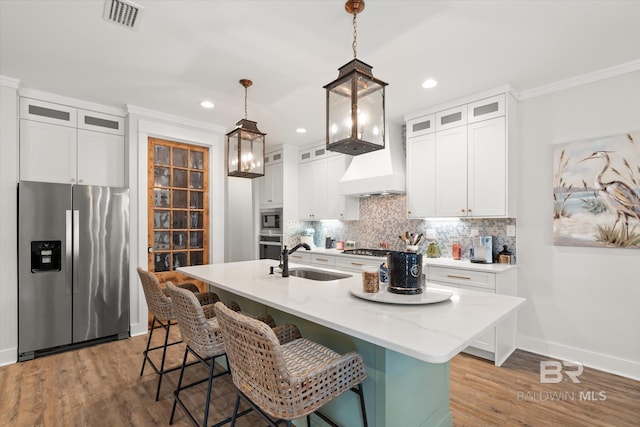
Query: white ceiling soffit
[123, 12]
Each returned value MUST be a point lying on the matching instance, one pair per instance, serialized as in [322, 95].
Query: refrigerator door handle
[68, 251]
[76, 246]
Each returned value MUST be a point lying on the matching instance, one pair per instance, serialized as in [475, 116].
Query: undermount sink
[311, 274]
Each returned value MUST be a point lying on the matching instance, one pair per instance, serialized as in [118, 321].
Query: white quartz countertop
[432, 332]
[464, 264]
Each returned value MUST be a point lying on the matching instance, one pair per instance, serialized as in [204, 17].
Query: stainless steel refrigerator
[73, 260]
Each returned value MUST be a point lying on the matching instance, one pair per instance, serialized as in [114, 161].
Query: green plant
[560, 197]
[596, 205]
[618, 236]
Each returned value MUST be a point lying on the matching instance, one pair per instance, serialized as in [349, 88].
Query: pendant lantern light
[355, 103]
[245, 145]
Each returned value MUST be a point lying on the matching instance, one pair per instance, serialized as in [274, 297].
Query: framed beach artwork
[596, 192]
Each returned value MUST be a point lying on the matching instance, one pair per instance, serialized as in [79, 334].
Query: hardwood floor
[101, 386]
[512, 395]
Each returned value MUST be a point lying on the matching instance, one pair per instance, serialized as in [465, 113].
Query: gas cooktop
[368, 252]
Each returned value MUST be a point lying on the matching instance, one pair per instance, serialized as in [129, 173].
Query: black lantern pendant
[355, 103]
[245, 145]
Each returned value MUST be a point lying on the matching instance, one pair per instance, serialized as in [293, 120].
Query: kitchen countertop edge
[464, 264]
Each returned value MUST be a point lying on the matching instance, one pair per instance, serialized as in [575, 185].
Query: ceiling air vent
[123, 12]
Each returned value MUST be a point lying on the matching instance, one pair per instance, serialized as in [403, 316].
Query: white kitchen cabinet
[466, 168]
[100, 158]
[355, 264]
[451, 172]
[313, 153]
[319, 188]
[487, 108]
[318, 178]
[305, 192]
[64, 144]
[341, 262]
[421, 176]
[313, 190]
[100, 122]
[47, 152]
[339, 206]
[498, 343]
[451, 118]
[487, 171]
[272, 183]
[48, 112]
[300, 257]
[421, 126]
[323, 260]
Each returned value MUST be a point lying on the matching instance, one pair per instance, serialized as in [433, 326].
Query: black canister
[405, 269]
[328, 242]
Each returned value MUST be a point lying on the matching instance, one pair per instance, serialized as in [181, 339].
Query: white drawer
[319, 259]
[355, 264]
[461, 277]
[300, 257]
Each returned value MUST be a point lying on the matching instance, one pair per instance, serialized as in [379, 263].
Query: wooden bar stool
[160, 307]
[283, 376]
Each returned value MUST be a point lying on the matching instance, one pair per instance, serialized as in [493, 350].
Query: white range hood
[378, 172]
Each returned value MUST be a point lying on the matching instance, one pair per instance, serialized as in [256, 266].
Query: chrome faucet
[284, 257]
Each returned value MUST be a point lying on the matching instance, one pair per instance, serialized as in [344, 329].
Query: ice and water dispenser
[46, 256]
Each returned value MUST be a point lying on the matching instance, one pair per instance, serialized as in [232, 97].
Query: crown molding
[152, 114]
[73, 102]
[605, 73]
[9, 82]
[505, 88]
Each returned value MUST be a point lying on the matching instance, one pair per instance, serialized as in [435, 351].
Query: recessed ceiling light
[206, 104]
[429, 83]
[301, 130]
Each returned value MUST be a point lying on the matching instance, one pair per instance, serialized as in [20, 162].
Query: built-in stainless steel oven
[270, 246]
[271, 221]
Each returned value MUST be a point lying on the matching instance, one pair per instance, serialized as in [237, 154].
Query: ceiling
[189, 50]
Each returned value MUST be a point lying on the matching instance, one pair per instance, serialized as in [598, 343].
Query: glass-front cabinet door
[178, 207]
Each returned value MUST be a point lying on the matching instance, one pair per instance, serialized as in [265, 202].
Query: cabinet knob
[462, 210]
[469, 211]
[409, 212]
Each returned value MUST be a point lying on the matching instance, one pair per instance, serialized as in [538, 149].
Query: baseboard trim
[139, 329]
[602, 362]
[8, 356]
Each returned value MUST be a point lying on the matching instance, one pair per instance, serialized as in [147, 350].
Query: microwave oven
[271, 221]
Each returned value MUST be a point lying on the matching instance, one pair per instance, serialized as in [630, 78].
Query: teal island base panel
[399, 390]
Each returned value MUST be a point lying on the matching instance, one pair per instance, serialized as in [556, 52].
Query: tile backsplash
[383, 219]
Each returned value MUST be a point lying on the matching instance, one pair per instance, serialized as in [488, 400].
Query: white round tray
[428, 296]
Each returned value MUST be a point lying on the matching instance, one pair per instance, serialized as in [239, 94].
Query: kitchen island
[406, 348]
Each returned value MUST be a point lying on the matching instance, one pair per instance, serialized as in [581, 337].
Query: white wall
[583, 304]
[241, 236]
[8, 220]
